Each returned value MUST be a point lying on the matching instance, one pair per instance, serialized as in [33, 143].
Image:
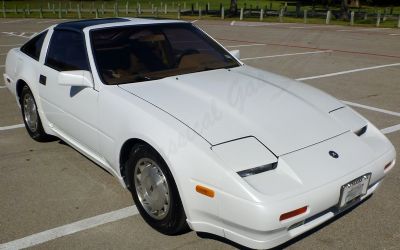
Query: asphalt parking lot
[52, 197]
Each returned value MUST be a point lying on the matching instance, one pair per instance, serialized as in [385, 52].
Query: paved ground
[48, 185]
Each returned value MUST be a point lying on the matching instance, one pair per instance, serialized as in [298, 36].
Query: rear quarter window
[33, 47]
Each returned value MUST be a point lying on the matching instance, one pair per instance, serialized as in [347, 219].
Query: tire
[152, 186]
[31, 116]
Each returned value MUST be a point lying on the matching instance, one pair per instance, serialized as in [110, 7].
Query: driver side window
[67, 51]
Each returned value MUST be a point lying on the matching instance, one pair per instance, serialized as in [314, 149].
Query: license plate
[352, 191]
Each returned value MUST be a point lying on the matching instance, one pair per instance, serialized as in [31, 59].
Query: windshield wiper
[206, 68]
[143, 78]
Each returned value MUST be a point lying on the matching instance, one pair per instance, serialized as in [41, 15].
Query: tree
[344, 9]
[233, 8]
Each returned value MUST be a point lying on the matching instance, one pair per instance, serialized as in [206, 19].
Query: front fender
[189, 157]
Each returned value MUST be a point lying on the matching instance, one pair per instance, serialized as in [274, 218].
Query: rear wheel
[31, 116]
[154, 191]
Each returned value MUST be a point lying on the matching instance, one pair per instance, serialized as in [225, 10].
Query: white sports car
[201, 140]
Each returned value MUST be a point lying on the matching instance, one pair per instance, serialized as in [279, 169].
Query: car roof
[79, 25]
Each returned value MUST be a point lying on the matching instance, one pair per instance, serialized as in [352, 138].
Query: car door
[71, 110]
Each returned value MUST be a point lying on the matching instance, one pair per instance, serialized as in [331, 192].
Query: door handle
[42, 79]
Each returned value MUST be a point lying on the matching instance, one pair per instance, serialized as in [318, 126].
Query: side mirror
[235, 53]
[78, 78]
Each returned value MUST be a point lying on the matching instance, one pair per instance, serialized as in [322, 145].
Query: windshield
[147, 52]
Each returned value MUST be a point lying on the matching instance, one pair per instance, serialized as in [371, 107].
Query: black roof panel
[81, 24]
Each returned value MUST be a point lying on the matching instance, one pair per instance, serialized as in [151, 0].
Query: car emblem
[334, 154]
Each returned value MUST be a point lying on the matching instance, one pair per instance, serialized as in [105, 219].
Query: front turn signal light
[205, 191]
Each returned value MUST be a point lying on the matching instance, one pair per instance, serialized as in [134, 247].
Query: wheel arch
[125, 152]
[19, 86]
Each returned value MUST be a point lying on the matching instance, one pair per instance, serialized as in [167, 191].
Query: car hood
[226, 104]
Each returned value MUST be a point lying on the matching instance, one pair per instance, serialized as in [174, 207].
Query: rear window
[33, 47]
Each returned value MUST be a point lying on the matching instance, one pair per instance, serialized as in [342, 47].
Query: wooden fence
[69, 9]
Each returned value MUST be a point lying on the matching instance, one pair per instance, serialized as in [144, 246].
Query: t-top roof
[81, 24]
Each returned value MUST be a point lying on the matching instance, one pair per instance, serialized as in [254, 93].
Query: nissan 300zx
[201, 140]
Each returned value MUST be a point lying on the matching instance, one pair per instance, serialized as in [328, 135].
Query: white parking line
[391, 129]
[256, 24]
[323, 26]
[245, 45]
[348, 71]
[367, 29]
[395, 34]
[297, 27]
[372, 108]
[374, 29]
[12, 127]
[52, 21]
[292, 54]
[16, 21]
[18, 35]
[10, 45]
[75, 227]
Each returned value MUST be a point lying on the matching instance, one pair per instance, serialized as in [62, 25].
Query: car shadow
[290, 242]
[49, 138]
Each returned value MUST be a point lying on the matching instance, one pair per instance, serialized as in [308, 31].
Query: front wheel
[154, 191]
[31, 116]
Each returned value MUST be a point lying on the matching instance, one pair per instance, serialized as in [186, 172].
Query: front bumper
[270, 239]
[259, 226]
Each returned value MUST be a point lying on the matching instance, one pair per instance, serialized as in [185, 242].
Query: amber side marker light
[205, 191]
[293, 213]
